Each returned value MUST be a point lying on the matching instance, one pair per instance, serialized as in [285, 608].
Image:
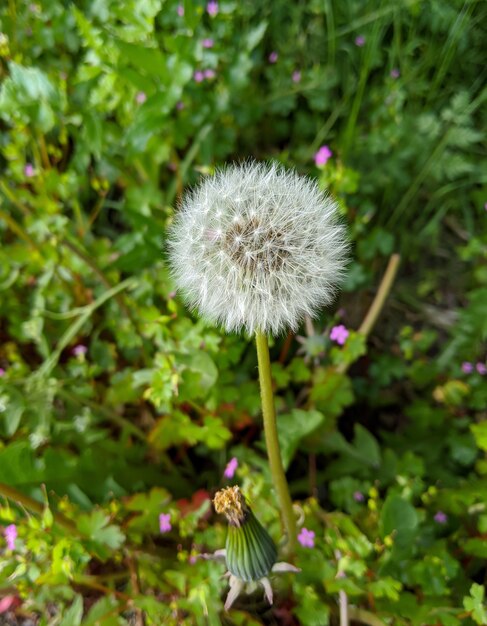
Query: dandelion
[198, 76]
[467, 368]
[180, 10]
[212, 8]
[395, 73]
[140, 98]
[441, 518]
[29, 170]
[296, 76]
[10, 533]
[481, 369]
[165, 522]
[257, 247]
[250, 553]
[208, 43]
[360, 41]
[80, 350]
[273, 56]
[307, 538]
[322, 156]
[231, 468]
[339, 334]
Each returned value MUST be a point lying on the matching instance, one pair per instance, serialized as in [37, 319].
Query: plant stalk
[272, 442]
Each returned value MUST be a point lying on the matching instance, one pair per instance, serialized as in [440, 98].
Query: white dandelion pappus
[257, 247]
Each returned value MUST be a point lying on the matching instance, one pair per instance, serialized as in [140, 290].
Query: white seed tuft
[281, 249]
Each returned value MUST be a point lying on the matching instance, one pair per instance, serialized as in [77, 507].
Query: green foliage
[117, 405]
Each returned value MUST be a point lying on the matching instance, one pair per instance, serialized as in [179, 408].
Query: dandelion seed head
[281, 248]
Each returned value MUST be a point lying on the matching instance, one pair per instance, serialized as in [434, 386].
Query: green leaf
[96, 527]
[480, 433]
[292, 428]
[475, 604]
[12, 407]
[73, 616]
[105, 613]
[398, 516]
[331, 391]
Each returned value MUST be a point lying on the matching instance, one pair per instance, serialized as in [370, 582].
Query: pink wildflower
[360, 41]
[198, 76]
[208, 43]
[307, 538]
[467, 367]
[273, 56]
[395, 73]
[209, 74]
[322, 156]
[441, 518]
[140, 98]
[481, 369]
[2, 372]
[10, 533]
[80, 350]
[165, 522]
[358, 496]
[231, 468]
[180, 10]
[212, 8]
[29, 170]
[296, 77]
[339, 334]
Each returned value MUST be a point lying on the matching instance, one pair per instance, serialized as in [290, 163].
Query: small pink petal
[165, 522]
[322, 156]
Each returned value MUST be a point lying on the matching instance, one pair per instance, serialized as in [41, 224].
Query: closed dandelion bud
[250, 551]
[257, 247]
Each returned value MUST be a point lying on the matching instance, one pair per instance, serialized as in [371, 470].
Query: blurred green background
[117, 405]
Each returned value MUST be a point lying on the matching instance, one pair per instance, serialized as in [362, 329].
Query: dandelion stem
[272, 441]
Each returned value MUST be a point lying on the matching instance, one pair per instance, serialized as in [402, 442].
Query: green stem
[272, 441]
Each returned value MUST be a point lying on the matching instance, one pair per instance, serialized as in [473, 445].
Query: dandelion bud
[250, 551]
[257, 247]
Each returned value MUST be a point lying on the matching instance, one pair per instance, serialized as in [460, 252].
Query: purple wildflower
[231, 468]
[180, 10]
[467, 368]
[395, 73]
[322, 156]
[273, 56]
[358, 496]
[441, 518]
[165, 522]
[296, 77]
[80, 350]
[307, 538]
[208, 43]
[339, 334]
[481, 369]
[198, 76]
[140, 98]
[209, 74]
[360, 41]
[10, 533]
[29, 170]
[2, 372]
[180, 105]
[212, 8]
